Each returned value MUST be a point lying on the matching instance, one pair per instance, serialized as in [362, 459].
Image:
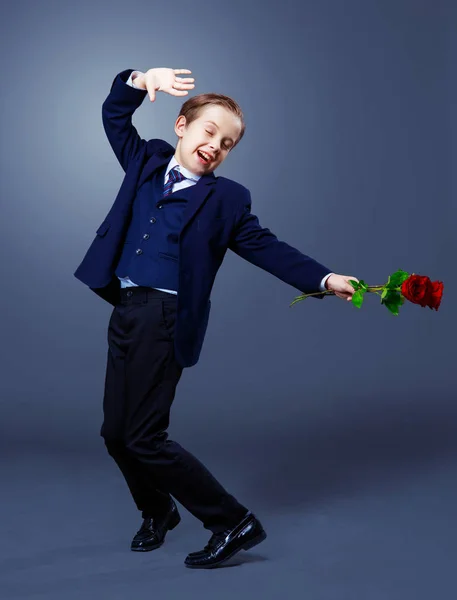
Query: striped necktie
[174, 176]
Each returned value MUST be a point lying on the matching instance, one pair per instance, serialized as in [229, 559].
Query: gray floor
[67, 522]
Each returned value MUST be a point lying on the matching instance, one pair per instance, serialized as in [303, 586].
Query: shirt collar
[187, 174]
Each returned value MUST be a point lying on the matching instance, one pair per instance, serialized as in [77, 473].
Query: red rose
[434, 294]
[416, 289]
[419, 289]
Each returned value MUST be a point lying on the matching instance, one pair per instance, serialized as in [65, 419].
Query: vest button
[153, 220]
[139, 251]
[146, 236]
[160, 206]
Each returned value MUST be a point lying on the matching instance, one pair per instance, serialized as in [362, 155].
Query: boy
[155, 258]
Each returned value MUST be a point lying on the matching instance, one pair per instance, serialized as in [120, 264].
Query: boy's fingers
[185, 79]
[179, 71]
[180, 85]
[174, 92]
[151, 91]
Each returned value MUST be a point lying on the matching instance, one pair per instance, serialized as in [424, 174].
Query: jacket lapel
[201, 191]
[156, 161]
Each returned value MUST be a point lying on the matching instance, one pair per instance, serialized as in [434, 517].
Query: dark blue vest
[151, 249]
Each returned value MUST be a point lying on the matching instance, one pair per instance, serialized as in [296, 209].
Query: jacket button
[139, 251]
[129, 293]
[146, 236]
[153, 220]
[160, 206]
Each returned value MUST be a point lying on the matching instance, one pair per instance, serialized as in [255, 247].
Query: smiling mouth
[204, 157]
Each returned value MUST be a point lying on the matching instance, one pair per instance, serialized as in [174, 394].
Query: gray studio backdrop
[347, 156]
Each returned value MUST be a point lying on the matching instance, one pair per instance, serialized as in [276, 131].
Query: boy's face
[205, 143]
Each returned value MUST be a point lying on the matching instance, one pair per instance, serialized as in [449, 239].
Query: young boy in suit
[155, 258]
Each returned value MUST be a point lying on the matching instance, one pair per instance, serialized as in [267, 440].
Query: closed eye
[224, 145]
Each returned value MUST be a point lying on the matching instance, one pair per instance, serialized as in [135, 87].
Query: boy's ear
[180, 125]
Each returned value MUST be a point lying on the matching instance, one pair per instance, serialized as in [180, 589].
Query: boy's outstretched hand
[164, 80]
[341, 286]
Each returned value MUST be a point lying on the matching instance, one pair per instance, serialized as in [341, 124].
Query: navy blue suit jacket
[218, 217]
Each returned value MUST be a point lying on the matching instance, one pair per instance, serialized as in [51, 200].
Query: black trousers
[141, 379]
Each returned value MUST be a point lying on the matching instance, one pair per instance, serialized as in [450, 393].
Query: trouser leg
[151, 373]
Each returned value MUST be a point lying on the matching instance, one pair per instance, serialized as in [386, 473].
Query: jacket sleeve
[259, 246]
[117, 111]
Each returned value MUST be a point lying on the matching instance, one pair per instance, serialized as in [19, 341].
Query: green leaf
[396, 279]
[354, 283]
[393, 301]
[392, 307]
[357, 298]
[363, 285]
[388, 295]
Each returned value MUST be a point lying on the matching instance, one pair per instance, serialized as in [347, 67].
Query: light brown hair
[191, 108]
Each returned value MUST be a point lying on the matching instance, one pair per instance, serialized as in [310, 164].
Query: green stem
[371, 288]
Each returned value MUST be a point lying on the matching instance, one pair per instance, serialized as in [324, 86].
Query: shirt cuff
[130, 81]
[322, 287]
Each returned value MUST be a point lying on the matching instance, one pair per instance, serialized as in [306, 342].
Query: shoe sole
[146, 548]
[246, 546]
[173, 523]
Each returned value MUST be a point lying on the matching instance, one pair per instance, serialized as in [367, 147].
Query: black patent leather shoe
[222, 546]
[151, 534]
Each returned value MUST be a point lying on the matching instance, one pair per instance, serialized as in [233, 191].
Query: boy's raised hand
[165, 80]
